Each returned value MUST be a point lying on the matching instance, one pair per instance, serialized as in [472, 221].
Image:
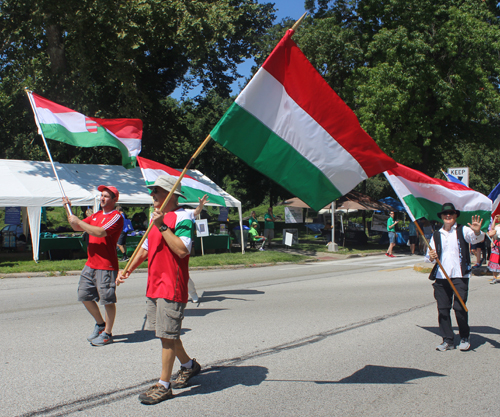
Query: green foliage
[421, 75]
[118, 59]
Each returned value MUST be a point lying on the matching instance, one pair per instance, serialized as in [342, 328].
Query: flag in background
[192, 189]
[452, 178]
[291, 126]
[494, 196]
[423, 196]
[65, 125]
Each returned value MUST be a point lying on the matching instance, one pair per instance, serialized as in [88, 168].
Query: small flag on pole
[423, 196]
[291, 126]
[192, 189]
[65, 125]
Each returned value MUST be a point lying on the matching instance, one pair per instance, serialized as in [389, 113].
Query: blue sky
[284, 8]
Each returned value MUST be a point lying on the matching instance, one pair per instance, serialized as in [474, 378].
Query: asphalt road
[345, 338]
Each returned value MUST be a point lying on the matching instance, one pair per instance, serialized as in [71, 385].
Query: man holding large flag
[450, 245]
[97, 281]
[167, 249]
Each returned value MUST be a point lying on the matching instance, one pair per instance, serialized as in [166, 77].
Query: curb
[314, 258]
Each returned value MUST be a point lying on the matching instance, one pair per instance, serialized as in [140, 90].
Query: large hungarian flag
[423, 196]
[192, 189]
[65, 125]
[291, 126]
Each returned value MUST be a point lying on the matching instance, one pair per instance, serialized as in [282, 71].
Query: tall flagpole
[33, 107]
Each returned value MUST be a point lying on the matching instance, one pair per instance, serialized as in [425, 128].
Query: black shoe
[124, 259]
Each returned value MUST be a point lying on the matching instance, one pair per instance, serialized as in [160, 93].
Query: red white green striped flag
[423, 196]
[65, 125]
[291, 126]
[192, 189]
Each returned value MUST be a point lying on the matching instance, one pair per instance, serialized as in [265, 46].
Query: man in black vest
[450, 245]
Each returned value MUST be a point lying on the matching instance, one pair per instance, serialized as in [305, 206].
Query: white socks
[165, 384]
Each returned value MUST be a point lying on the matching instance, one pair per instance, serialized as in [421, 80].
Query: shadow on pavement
[137, 337]
[219, 296]
[374, 374]
[218, 378]
[200, 312]
[477, 335]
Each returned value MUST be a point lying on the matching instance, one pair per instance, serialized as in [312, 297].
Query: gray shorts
[392, 237]
[165, 317]
[269, 234]
[97, 284]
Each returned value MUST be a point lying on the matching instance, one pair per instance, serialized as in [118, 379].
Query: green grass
[235, 258]
[248, 258]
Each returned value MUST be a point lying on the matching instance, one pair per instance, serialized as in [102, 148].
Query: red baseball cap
[109, 188]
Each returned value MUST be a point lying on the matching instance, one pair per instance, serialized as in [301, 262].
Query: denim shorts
[392, 237]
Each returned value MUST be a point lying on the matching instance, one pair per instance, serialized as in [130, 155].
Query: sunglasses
[449, 213]
[154, 190]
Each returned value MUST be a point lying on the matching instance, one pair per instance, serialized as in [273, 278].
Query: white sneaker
[443, 347]
[261, 249]
[464, 343]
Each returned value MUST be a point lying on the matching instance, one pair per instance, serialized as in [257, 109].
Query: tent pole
[333, 223]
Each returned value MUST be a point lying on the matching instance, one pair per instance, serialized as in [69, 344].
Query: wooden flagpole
[442, 269]
[30, 98]
[169, 196]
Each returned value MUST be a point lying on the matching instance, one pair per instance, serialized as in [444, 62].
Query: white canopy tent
[32, 185]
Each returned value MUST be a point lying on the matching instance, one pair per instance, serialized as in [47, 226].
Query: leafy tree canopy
[421, 75]
[118, 59]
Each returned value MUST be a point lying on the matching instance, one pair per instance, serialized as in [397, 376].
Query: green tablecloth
[67, 243]
[215, 242]
[212, 242]
[131, 244]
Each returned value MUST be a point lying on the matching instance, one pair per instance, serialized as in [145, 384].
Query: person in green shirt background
[252, 220]
[254, 236]
[391, 229]
[269, 220]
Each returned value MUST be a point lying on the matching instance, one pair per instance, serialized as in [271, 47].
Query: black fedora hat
[448, 207]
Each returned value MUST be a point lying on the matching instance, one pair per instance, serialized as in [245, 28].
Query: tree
[117, 59]
[422, 76]
[432, 77]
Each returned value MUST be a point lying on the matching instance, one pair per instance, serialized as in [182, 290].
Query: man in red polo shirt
[167, 248]
[97, 281]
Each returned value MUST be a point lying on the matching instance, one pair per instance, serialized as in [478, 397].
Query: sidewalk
[420, 265]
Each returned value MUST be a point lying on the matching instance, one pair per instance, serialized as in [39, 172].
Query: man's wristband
[163, 228]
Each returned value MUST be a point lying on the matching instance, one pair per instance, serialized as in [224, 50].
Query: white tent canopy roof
[32, 184]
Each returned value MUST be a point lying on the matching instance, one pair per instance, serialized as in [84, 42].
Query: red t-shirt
[102, 250]
[168, 274]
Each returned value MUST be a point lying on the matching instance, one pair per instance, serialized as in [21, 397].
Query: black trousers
[445, 297]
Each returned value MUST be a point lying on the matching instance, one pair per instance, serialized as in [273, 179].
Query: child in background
[494, 263]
